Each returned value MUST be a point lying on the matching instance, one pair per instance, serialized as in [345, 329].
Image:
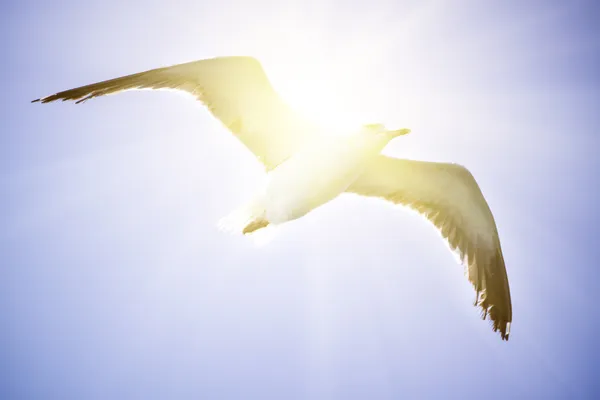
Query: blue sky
[117, 284]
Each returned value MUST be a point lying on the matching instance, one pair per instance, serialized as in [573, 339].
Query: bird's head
[380, 129]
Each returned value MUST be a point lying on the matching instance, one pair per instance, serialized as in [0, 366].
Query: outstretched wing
[236, 90]
[448, 195]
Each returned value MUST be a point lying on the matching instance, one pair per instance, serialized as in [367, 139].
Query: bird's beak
[399, 132]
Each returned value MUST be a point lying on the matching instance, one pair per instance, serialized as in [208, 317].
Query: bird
[305, 168]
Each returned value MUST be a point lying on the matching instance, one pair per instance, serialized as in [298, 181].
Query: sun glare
[338, 88]
[321, 92]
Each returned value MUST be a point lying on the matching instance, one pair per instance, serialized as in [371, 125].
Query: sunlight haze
[117, 283]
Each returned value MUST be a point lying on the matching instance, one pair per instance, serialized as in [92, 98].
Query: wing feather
[449, 196]
[235, 90]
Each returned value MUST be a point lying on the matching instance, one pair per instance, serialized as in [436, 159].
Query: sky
[116, 282]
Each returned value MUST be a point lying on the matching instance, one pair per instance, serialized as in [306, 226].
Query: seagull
[306, 169]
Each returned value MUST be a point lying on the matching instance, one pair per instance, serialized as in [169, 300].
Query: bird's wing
[235, 89]
[448, 195]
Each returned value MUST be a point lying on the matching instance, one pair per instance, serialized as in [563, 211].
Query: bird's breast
[312, 178]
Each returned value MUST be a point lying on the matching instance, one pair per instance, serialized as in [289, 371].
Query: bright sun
[340, 89]
[321, 92]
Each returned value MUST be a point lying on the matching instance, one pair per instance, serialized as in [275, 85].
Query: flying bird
[306, 169]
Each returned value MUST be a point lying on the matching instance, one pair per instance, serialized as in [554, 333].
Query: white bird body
[304, 170]
[315, 175]
[318, 174]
